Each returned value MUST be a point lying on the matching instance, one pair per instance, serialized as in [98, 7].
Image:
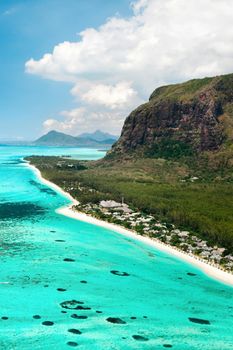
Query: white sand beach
[52, 185]
[210, 270]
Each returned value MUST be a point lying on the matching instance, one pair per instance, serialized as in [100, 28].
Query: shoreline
[51, 184]
[210, 270]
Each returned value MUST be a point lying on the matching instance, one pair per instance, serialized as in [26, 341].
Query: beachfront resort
[147, 225]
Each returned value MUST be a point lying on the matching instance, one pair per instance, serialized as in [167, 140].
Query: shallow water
[48, 259]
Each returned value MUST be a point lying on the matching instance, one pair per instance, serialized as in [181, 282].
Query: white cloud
[80, 120]
[116, 96]
[72, 120]
[120, 63]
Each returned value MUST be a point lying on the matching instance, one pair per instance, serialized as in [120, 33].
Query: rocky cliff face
[185, 116]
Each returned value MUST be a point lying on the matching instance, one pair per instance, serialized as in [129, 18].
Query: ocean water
[59, 285]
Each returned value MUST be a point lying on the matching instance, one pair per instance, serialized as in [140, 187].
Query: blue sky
[29, 28]
[76, 65]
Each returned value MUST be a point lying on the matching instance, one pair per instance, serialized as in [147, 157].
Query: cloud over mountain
[113, 68]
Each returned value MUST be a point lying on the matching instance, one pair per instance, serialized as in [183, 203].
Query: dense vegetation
[169, 149]
[168, 189]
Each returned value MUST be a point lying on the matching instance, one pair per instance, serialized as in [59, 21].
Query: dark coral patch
[49, 191]
[74, 331]
[81, 317]
[79, 307]
[99, 312]
[42, 188]
[20, 210]
[167, 345]
[115, 320]
[140, 338]
[133, 318]
[198, 320]
[5, 318]
[48, 323]
[36, 317]
[69, 260]
[119, 273]
[73, 305]
[72, 343]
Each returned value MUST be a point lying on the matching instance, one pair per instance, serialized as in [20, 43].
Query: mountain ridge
[187, 118]
[98, 136]
[56, 138]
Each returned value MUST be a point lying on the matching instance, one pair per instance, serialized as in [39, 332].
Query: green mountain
[181, 120]
[55, 138]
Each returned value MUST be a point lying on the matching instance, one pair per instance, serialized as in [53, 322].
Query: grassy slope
[156, 186]
[183, 91]
[192, 88]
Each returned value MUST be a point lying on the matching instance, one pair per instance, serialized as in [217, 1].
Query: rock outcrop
[184, 118]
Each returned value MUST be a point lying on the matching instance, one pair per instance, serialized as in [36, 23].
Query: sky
[77, 65]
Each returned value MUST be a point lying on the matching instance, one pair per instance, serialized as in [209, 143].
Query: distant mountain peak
[99, 136]
[51, 132]
[57, 138]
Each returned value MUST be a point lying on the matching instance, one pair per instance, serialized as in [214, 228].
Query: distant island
[95, 139]
[53, 138]
[172, 165]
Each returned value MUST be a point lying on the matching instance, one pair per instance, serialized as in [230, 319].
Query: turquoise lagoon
[48, 259]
